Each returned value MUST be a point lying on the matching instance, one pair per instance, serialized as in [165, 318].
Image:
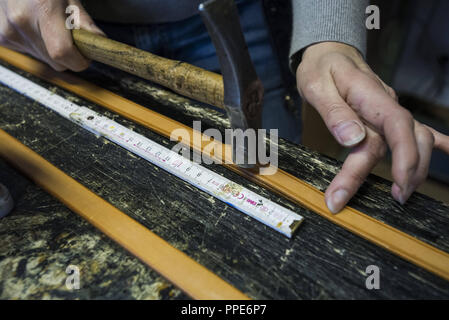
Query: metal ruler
[248, 202]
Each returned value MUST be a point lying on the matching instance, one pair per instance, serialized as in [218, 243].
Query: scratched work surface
[323, 261]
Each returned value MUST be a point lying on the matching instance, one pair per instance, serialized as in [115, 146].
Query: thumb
[340, 118]
[86, 22]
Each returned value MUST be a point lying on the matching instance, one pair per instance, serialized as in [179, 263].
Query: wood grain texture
[286, 185]
[183, 78]
[323, 260]
[188, 275]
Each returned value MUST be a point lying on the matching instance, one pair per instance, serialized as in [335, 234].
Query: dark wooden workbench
[42, 237]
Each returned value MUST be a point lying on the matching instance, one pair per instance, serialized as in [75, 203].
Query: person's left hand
[362, 112]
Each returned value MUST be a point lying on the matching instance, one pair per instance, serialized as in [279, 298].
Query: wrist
[323, 48]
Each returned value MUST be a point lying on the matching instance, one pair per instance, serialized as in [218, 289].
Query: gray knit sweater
[314, 20]
[327, 20]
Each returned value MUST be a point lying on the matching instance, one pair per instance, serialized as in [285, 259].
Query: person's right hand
[37, 27]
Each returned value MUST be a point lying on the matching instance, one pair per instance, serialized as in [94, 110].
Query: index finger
[382, 113]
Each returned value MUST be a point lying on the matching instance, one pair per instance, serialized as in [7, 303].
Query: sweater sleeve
[317, 21]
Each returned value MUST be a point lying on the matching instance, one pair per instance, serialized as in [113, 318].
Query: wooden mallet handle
[181, 77]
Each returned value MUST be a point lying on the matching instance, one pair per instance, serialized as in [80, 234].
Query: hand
[362, 112]
[37, 27]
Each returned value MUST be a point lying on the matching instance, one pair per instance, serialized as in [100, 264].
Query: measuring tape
[248, 202]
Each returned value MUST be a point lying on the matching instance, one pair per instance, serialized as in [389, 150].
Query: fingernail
[405, 195]
[349, 133]
[337, 200]
[399, 194]
[396, 192]
[401, 199]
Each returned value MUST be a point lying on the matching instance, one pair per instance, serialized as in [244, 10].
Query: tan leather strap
[282, 183]
[173, 264]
